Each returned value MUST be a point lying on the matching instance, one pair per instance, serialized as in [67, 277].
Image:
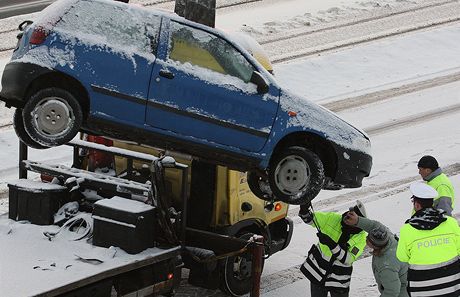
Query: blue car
[137, 74]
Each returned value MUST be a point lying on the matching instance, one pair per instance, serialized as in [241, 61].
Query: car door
[114, 49]
[201, 91]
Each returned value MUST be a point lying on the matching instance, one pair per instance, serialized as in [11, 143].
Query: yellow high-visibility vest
[426, 247]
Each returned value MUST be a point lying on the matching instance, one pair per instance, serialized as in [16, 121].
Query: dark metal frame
[25, 165]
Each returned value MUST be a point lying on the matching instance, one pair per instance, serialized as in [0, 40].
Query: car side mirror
[260, 82]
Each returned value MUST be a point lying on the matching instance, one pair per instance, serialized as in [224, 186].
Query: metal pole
[129, 168]
[200, 11]
[22, 156]
[184, 191]
[257, 262]
[76, 158]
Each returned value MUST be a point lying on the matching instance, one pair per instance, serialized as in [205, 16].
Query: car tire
[259, 185]
[237, 271]
[18, 124]
[52, 117]
[296, 175]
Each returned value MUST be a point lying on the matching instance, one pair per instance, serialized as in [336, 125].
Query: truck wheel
[237, 271]
[259, 185]
[296, 175]
[18, 124]
[52, 117]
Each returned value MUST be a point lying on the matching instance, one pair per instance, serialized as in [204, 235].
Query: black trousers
[320, 291]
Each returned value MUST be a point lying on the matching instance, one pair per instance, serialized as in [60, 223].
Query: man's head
[422, 195]
[378, 238]
[426, 165]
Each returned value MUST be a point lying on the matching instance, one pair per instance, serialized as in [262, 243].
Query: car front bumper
[352, 168]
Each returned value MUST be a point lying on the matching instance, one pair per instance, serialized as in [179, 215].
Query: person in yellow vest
[430, 243]
[429, 170]
[329, 263]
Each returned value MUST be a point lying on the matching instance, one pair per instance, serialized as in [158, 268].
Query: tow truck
[52, 265]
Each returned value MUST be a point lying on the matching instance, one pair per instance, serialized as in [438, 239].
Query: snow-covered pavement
[381, 65]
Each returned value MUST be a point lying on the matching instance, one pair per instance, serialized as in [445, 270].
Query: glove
[306, 215]
[326, 240]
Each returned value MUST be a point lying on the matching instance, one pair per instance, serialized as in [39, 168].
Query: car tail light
[98, 159]
[38, 35]
[170, 276]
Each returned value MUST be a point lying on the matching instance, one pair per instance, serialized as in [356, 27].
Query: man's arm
[352, 219]
[368, 225]
[444, 201]
[306, 214]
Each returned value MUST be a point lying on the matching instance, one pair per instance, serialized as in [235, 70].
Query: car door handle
[166, 74]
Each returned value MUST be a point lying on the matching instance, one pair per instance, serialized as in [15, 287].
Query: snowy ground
[424, 121]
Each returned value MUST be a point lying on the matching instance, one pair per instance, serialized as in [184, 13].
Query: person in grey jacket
[389, 273]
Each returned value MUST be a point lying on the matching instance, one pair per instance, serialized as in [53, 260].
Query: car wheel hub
[242, 268]
[292, 175]
[52, 117]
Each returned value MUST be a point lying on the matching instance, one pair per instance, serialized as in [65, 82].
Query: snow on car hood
[313, 117]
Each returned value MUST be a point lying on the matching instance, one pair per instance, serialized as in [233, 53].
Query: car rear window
[113, 24]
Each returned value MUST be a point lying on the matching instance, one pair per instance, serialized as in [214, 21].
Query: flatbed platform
[32, 265]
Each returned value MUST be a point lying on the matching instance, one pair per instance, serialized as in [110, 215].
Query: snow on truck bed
[30, 264]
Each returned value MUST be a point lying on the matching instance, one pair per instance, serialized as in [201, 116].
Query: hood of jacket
[427, 219]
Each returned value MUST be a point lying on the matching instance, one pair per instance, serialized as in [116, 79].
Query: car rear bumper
[352, 168]
[16, 79]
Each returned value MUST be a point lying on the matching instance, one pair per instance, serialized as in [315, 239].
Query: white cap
[423, 191]
[359, 209]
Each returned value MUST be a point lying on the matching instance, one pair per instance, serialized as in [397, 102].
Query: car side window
[100, 23]
[200, 48]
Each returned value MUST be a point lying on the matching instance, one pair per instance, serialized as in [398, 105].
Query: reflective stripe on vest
[435, 280]
[317, 268]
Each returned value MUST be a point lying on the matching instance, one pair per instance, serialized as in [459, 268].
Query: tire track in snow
[283, 49]
[373, 97]
[286, 35]
[219, 4]
[412, 120]
[361, 40]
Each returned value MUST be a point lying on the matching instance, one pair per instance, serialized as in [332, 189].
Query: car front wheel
[52, 117]
[296, 175]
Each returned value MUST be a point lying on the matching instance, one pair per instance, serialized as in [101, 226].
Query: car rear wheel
[52, 117]
[296, 175]
[18, 124]
[259, 185]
